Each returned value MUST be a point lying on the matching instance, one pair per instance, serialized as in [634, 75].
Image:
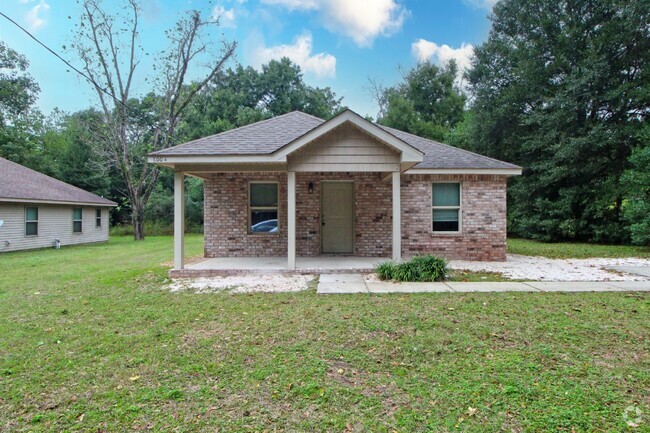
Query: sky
[341, 44]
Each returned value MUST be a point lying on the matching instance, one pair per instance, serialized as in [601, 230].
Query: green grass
[565, 250]
[91, 342]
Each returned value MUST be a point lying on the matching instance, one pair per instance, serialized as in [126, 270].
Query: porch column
[397, 218]
[179, 220]
[291, 220]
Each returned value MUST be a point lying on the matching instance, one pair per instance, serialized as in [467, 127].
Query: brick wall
[483, 232]
[483, 212]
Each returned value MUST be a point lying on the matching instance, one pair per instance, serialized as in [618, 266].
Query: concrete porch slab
[221, 266]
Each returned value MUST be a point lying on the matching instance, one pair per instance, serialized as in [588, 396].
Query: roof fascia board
[497, 171]
[67, 203]
[203, 159]
[409, 153]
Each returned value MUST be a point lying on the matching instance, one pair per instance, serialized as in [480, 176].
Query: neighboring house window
[98, 217]
[77, 216]
[31, 221]
[445, 204]
[263, 205]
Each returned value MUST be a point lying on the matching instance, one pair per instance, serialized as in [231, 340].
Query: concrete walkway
[354, 283]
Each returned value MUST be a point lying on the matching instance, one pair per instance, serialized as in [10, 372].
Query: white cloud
[360, 20]
[34, 16]
[482, 4]
[426, 51]
[321, 64]
[226, 16]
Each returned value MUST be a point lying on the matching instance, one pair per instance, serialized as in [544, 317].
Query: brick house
[298, 186]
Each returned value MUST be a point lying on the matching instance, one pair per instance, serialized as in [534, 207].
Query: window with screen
[263, 208]
[445, 207]
[98, 217]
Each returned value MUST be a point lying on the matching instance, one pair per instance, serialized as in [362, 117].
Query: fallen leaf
[134, 378]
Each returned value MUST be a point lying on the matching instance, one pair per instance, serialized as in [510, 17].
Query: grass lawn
[565, 250]
[90, 342]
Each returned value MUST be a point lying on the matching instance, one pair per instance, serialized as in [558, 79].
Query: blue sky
[338, 43]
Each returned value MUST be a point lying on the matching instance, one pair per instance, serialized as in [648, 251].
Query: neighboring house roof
[270, 136]
[24, 185]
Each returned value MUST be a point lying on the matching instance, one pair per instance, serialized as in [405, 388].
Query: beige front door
[337, 217]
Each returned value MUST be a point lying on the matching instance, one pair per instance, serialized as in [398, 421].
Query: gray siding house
[36, 210]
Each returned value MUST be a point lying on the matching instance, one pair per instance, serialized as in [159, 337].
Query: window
[31, 221]
[77, 216]
[263, 204]
[445, 205]
[98, 217]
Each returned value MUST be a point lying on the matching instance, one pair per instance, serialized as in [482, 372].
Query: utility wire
[90, 80]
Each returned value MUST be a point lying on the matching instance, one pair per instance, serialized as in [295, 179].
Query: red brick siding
[483, 202]
[483, 232]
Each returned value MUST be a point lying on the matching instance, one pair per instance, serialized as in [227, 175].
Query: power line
[93, 82]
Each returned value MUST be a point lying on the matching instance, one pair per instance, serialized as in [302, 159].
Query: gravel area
[270, 283]
[542, 269]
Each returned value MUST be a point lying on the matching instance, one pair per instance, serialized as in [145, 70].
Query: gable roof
[271, 136]
[23, 185]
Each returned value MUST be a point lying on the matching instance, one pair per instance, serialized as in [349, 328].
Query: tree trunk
[137, 218]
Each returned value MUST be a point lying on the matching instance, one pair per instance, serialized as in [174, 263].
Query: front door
[337, 217]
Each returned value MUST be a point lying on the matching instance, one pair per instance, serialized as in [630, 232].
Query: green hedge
[418, 269]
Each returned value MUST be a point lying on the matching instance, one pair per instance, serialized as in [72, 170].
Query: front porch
[222, 266]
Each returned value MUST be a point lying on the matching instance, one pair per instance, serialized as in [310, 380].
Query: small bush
[418, 269]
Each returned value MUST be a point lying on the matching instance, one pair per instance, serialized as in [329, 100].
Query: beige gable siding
[346, 149]
[54, 222]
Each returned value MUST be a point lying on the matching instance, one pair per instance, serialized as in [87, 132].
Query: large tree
[20, 123]
[239, 96]
[562, 88]
[109, 47]
[427, 102]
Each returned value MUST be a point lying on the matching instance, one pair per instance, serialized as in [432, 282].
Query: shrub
[418, 269]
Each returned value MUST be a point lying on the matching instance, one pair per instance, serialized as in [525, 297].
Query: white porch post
[179, 220]
[291, 220]
[397, 217]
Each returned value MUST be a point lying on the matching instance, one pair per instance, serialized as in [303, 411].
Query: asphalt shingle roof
[267, 136]
[18, 182]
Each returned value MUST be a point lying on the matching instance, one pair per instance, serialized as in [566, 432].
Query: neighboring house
[36, 210]
[298, 185]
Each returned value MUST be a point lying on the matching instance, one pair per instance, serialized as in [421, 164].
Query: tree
[20, 123]
[636, 206]
[108, 46]
[240, 96]
[426, 102]
[562, 88]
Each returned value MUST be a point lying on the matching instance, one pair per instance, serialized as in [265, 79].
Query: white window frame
[459, 207]
[31, 221]
[80, 221]
[98, 219]
[252, 208]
